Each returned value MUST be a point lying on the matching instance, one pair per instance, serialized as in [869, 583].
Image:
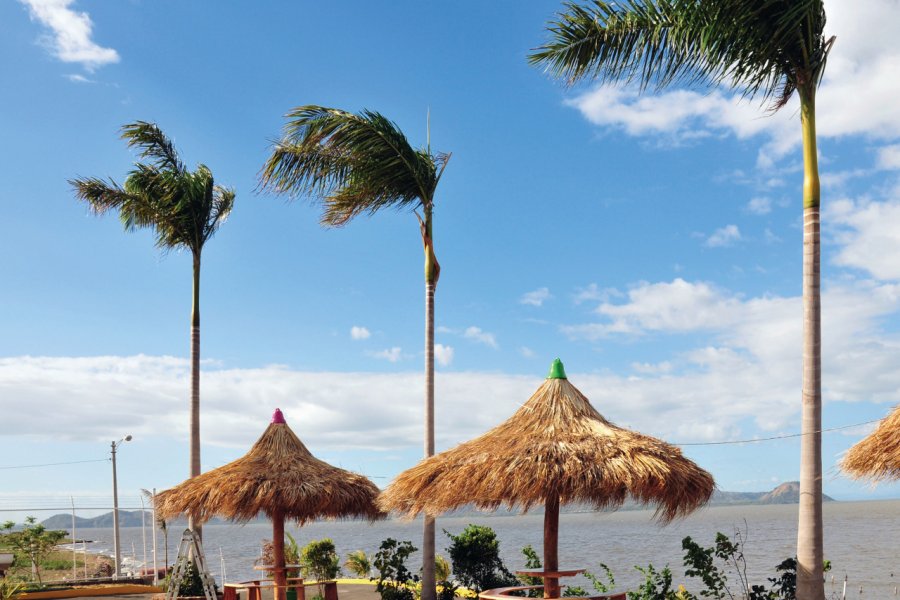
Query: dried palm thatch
[877, 456]
[278, 477]
[556, 449]
[556, 444]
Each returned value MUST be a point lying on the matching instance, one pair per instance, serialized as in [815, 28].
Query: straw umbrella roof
[555, 446]
[878, 455]
[277, 477]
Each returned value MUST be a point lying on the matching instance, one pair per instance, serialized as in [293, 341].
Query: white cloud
[676, 306]
[759, 206]
[526, 352]
[869, 235]
[889, 157]
[443, 354]
[857, 96]
[593, 292]
[76, 78]
[70, 38]
[389, 354]
[359, 333]
[536, 297]
[482, 337]
[724, 236]
[749, 373]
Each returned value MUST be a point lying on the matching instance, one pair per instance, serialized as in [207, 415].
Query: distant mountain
[127, 518]
[786, 493]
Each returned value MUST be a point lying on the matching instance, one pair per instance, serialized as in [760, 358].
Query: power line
[74, 462]
[775, 437]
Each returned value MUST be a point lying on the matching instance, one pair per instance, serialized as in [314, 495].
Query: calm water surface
[862, 540]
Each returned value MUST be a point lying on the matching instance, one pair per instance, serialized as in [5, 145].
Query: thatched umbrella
[877, 456]
[278, 477]
[556, 449]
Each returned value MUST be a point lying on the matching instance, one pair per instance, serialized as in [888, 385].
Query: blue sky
[651, 242]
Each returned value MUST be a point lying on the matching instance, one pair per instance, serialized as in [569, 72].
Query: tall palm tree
[183, 208]
[766, 48]
[359, 164]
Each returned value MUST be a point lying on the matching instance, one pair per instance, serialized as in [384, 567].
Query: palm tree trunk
[195, 381]
[428, 583]
[810, 539]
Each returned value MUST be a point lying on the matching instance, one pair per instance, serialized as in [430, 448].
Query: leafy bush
[475, 554]
[394, 579]
[319, 560]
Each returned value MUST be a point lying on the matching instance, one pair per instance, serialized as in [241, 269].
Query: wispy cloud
[76, 78]
[868, 235]
[443, 354]
[593, 293]
[536, 297]
[889, 157]
[389, 354]
[724, 236]
[482, 337]
[759, 206]
[69, 38]
[359, 333]
[526, 352]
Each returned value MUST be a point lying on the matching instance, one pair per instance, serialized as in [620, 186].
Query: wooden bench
[505, 593]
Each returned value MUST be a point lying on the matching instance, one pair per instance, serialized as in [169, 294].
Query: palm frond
[351, 163]
[183, 208]
[767, 48]
[153, 144]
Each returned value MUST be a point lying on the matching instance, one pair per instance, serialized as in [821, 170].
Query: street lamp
[118, 552]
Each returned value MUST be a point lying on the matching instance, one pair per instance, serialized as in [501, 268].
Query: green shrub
[475, 554]
[394, 578]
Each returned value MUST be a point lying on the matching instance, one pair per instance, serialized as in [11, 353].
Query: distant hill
[786, 493]
[127, 518]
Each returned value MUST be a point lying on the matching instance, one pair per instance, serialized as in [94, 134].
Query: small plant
[9, 588]
[358, 563]
[475, 554]
[657, 585]
[394, 579]
[319, 560]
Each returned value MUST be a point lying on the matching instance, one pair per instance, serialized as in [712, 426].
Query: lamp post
[118, 551]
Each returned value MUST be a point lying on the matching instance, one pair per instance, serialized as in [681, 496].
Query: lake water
[862, 541]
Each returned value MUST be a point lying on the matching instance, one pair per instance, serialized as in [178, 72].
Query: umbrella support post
[278, 555]
[551, 543]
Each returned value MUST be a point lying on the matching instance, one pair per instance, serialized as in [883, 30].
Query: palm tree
[183, 208]
[358, 563]
[768, 49]
[359, 164]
